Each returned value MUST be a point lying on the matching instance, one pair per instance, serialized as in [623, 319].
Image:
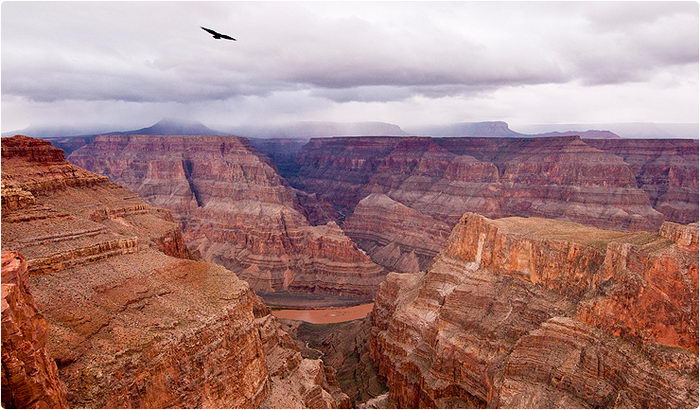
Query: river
[329, 315]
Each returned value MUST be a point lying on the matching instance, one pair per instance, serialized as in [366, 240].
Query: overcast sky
[130, 64]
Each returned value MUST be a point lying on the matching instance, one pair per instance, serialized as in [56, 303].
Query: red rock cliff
[394, 235]
[556, 177]
[130, 322]
[237, 211]
[667, 170]
[29, 374]
[528, 312]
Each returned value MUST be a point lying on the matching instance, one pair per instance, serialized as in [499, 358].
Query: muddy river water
[328, 315]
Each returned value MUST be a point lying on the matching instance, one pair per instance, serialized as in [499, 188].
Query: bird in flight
[216, 35]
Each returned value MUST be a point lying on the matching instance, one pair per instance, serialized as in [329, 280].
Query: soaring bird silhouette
[216, 35]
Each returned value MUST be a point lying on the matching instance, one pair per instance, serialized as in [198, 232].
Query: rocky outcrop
[394, 235]
[564, 178]
[237, 211]
[297, 382]
[344, 347]
[130, 322]
[528, 312]
[55, 173]
[29, 374]
[666, 169]
[69, 144]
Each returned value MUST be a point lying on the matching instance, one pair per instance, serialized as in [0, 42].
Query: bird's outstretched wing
[212, 32]
[217, 35]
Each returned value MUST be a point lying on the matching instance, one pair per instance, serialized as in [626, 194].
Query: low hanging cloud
[155, 52]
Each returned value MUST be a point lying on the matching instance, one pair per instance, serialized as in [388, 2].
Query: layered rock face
[529, 312]
[130, 322]
[394, 235]
[667, 170]
[237, 211]
[29, 374]
[559, 177]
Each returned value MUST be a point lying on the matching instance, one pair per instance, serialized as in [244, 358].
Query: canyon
[235, 210]
[104, 305]
[427, 184]
[547, 272]
[565, 178]
[529, 312]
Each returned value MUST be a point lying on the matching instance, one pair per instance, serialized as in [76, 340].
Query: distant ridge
[469, 129]
[589, 134]
[626, 129]
[57, 131]
[308, 129]
[166, 126]
[172, 126]
[500, 129]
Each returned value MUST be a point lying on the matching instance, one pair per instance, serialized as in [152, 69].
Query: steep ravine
[344, 347]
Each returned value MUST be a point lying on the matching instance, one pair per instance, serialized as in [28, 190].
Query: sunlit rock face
[237, 211]
[530, 312]
[128, 320]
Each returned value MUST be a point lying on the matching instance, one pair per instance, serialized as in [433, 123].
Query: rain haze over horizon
[130, 64]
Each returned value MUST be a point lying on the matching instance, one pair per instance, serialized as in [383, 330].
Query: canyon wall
[29, 374]
[625, 185]
[130, 321]
[235, 210]
[531, 312]
[394, 235]
[666, 169]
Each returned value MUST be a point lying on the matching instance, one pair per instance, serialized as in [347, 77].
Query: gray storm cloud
[153, 54]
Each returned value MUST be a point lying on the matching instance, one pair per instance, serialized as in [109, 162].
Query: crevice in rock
[187, 167]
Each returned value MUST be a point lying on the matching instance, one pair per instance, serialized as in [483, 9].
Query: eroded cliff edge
[237, 211]
[132, 322]
[529, 312]
[29, 374]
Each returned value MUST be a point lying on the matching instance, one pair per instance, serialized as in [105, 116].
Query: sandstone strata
[237, 211]
[585, 181]
[528, 312]
[666, 169]
[29, 374]
[394, 235]
[131, 323]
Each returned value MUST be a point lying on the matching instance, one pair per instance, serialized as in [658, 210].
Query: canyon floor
[167, 271]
